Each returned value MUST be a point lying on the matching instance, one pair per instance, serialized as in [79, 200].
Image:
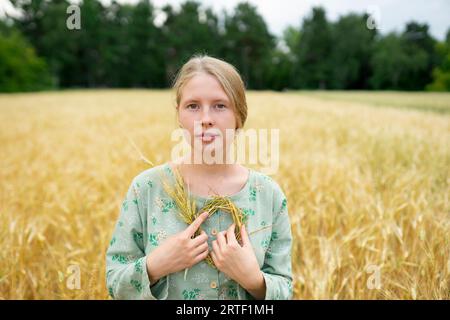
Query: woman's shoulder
[274, 191]
[151, 177]
[271, 188]
[261, 178]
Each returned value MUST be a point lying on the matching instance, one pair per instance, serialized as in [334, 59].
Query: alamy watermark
[73, 280]
[374, 280]
[374, 19]
[251, 146]
[73, 21]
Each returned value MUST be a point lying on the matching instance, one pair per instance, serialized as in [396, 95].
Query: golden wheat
[367, 188]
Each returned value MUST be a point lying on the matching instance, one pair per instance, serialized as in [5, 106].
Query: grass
[367, 187]
[422, 101]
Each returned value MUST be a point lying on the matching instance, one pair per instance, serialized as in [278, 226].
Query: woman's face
[206, 112]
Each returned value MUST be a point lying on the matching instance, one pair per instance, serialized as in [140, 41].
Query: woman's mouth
[207, 138]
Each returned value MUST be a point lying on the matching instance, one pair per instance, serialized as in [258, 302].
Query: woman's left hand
[236, 261]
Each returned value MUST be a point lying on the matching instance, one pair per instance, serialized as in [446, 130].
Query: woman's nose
[206, 119]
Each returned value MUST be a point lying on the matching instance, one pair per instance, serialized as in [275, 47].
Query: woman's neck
[208, 170]
[203, 179]
[203, 169]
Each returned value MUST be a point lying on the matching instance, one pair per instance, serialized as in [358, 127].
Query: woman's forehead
[192, 96]
[203, 87]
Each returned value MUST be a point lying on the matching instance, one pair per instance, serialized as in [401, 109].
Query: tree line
[141, 46]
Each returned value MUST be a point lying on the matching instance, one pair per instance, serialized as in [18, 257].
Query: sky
[391, 15]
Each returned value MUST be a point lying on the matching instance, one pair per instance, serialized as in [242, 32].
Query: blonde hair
[225, 73]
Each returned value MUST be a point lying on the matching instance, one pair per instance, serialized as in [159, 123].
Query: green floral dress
[148, 216]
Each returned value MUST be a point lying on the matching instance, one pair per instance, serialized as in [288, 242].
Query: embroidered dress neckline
[232, 197]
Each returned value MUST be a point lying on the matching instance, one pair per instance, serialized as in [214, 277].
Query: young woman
[151, 247]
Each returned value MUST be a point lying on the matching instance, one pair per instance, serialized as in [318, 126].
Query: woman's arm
[126, 262]
[258, 291]
[277, 267]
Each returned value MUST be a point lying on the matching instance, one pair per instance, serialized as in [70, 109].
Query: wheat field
[366, 176]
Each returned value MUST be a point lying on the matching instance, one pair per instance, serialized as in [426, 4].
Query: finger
[201, 238]
[214, 257]
[190, 230]
[201, 256]
[221, 240]
[216, 248]
[199, 249]
[244, 236]
[231, 237]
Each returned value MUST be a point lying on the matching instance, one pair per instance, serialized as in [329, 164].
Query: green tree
[91, 44]
[120, 45]
[352, 48]
[441, 74]
[115, 56]
[248, 44]
[189, 30]
[389, 63]
[313, 69]
[405, 61]
[419, 46]
[43, 23]
[291, 39]
[145, 63]
[278, 69]
[20, 68]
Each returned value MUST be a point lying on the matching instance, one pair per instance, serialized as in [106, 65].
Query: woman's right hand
[179, 251]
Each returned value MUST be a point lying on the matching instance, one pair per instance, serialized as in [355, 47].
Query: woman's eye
[192, 106]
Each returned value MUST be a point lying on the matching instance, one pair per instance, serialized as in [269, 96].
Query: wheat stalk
[187, 207]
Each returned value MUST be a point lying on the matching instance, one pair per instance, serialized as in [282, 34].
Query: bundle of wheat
[188, 209]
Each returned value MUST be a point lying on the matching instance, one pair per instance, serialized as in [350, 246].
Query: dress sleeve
[126, 269]
[277, 267]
